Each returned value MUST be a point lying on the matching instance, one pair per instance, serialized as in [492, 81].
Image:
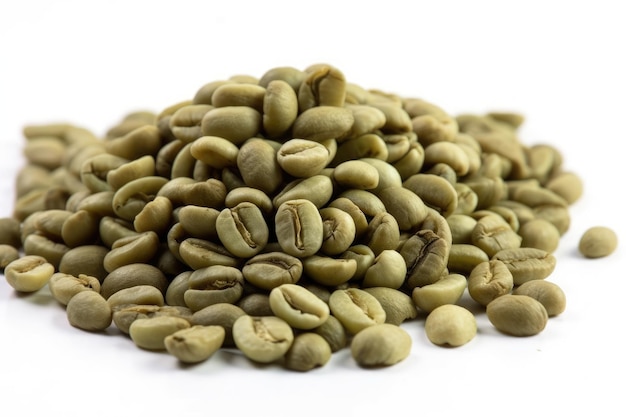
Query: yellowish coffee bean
[381, 345]
[356, 309]
[597, 242]
[195, 344]
[448, 290]
[517, 315]
[262, 339]
[88, 310]
[308, 351]
[450, 325]
[29, 273]
[547, 293]
[150, 333]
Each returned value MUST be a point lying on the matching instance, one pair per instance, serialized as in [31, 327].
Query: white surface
[559, 63]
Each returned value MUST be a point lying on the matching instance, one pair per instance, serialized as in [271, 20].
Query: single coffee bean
[131, 170]
[464, 258]
[308, 351]
[450, 325]
[133, 274]
[64, 286]
[139, 294]
[322, 85]
[550, 295]
[200, 253]
[280, 106]
[262, 339]
[404, 205]
[88, 310]
[517, 315]
[234, 123]
[398, 306]
[333, 332]
[212, 285]
[8, 254]
[299, 307]
[29, 273]
[150, 333]
[39, 245]
[299, 228]
[448, 290]
[125, 315]
[493, 234]
[540, 234]
[426, 257]
[387, 270]
[527, 264]
[488, 281]
[302, 158]
[195, 344]
[329, 271]
[131, 250]
[597, 242]
[356, 309]
[270, 270]
[318, 189]
[222, 315]
[242, 230]
[356, 174]
[258, 165]
[381, 345]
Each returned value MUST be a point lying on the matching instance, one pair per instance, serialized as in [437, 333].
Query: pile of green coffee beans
[290, 216]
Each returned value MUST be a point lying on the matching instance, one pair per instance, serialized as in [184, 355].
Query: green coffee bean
[369, 145]
[242, 230]
[131, 275]
[381, 345]
[329, 271]
[292, 76]
[141, 141]
[80, 228]
[404, 205]
[302, 158]
[239, 94]
[299, 228]
[256, 304]
[155, 216]
[269, 270]
[367, 119]
[10, 232]
[488, 281]
[29, 273]
[398, 306]
[493, 234]
[222, 315]
[356, 174]
[527, 264]
[450, 325]
[350, 207]
[195, 344]
[464, 257]
[299, 307]
[322, 85]
[364, 257]
[567, 185]
[129, 171]
[42, 246]
[64, 286]
[87, 260]
[356, 309]
[234, 123]
[88, 310]
[139, 294]
[540, 234]
[131, 250]
[8, 254]
[150, 333]
[258, 165]
[308, 351]
[200, 253]
[262, 339]
[125, 315]
[517, 315]
[597, 242]
[550, 295]
[448, 290]
[280, 107]
[426, 257]
[434, 191]
[318, 189]
[387, 270]
[212, 285]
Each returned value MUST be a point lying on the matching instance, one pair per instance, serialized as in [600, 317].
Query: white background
[560, 63]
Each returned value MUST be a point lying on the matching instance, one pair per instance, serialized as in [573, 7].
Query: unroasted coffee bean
[517, 315]
[150, 333]
[130, 275]
[448, 290]
[318, 189]
[242, 230]
[339, 230]
[540, 234]
[131, 250]
[234, 123]
[280, 106]
[8, 254]
[356, 309]
[195, 344]
[527, 264]
[139, 294]
[493, 234]
[299, 228]
[222, 315]
[302, 158]
[489, 280]
[125, 315]
[270, 270]
[334, 333]
[200, 253]
[381, 345]
[64, 286]
[308, 351]
[262, 339]
[450, 325]
[29, 273]
[387, 270]
[212, 285]
[550, 295]
[426, 257]
[398, 306]
[597, 242]
[329, 271]
[88, 310]
[299, 307]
